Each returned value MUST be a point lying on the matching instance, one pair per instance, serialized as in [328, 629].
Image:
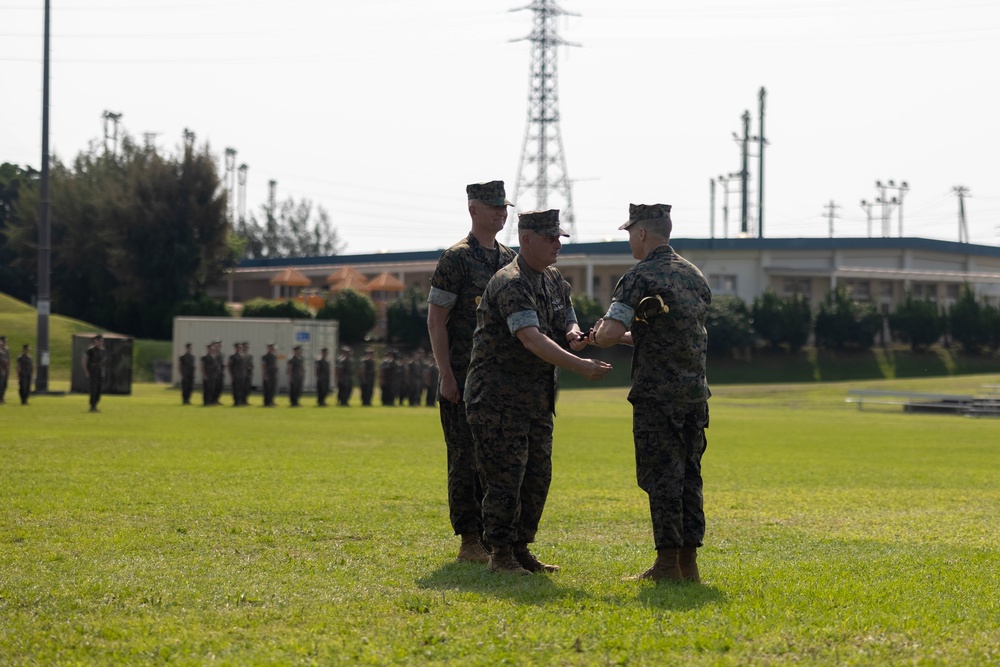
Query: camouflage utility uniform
[509, 397]
[669, 393]
[186, 365]
[269, 369]
[457, 284]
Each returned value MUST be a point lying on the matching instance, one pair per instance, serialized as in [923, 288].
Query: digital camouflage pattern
[510, 397]
[640, 212]
[515, 456]
[669, 443]
[504, 376]
[543, 222]
[491, 193]
[457, 284]
[668, 357]
[669, 391]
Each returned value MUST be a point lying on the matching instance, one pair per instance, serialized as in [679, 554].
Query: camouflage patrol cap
[639, 212]
[491, 193]
[545, 223]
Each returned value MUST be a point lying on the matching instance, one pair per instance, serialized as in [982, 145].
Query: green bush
[588, 311]
[917, 322]
[729, 326]
[842, 323]
[780, 321]
[354, 311]
[406, 320]
[202, 306]
[277, 309]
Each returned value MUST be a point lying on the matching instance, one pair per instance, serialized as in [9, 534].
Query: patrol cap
[490, 193]
[545, 223]
[639, 212]
[297, 347]
[325, 350]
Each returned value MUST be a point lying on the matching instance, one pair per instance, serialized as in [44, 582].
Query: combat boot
[502, 561]
[529, 562]
[472, 550]
[666, 567]
[689, 564]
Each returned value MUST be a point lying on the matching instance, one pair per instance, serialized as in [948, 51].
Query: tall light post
[44, 297]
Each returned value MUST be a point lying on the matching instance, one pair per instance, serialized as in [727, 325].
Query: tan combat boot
[666, 567]
[529, 562]
[472, 550]
[689, 564]
[503, 562]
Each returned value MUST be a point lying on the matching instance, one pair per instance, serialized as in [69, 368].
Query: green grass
[159, 534]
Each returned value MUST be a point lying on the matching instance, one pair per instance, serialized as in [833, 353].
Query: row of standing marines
[401, 378]
[94, 363]
[501, 323]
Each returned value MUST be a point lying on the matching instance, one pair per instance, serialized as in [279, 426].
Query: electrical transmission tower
[111, 124]
[831, 214]
[543, 162]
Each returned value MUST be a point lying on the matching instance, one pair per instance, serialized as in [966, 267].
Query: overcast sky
[382, 111]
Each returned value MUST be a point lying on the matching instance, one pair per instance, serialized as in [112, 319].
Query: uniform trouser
[3, 385]
[96, 381]
[344, 393]
[295, 392]
[236, 386]
[187, 386]
[367, 389]
[431, 396]
[387, 396]
[465, 490]
[515, 462]
[269, 386]
[322, 391]
[669, 443]
[24, 387]
[208, 390]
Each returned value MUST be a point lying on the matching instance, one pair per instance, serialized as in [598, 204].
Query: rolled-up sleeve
[522, 320]
[440, 297]
[621, 312]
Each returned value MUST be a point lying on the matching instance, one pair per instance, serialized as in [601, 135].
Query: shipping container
[312, 335]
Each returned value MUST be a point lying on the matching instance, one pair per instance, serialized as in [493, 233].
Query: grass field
[159, 534]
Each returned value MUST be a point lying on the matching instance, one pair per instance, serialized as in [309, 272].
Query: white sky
[382, 111]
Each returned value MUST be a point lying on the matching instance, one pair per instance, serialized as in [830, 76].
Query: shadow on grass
[534, 589]
[679, 596]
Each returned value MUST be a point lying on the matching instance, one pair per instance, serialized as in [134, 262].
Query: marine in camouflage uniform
[237, 373]
[525, 322]
[345, 376]
[208, 376]
[248, 372]
[296, 376]
[94, 360]
[367, 377]
[456, 287]
[25, 368]
[659, 307]
[269, 370]
[185, 368]
[323, 377]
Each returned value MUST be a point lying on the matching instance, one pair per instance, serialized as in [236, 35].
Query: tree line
[139, 234]
[843, 323]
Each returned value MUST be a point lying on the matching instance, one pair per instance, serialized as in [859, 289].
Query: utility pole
[43, 303]
[888, 203]
[761, 96]
[744, 172]
[188, 139]
[963, 229]
[242, 196]
[867, 206]
[831, 214]
[711, 215]
[230, 184]
[543, 162]
[726, 180]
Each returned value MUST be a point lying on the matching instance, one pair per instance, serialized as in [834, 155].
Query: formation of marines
[403, 378]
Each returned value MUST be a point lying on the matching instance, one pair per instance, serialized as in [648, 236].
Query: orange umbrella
[291, 278]
[384, 282]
